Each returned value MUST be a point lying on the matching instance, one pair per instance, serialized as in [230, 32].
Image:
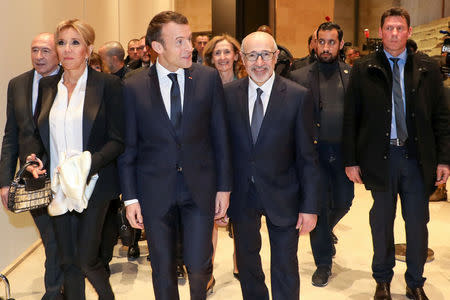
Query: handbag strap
[24, 167]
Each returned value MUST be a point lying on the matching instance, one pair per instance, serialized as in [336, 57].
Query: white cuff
[131, 201]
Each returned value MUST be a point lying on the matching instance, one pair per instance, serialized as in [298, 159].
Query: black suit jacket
[367, 118]
[153, 152]
[283, 162]
[102, 128]
[308, 76]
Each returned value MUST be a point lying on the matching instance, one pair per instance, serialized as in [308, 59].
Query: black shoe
[416, 294]
[133, 252]
[383, 291]
[334, 238]
[236, 275]
[181, 273]
[321, 276]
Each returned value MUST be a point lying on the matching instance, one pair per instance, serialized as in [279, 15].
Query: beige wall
[198, 12]
[344, 15]
[20, 21]
[296, 20]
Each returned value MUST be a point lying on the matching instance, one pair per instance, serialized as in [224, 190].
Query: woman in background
[81, 110]
[222, 53]
[95, 62]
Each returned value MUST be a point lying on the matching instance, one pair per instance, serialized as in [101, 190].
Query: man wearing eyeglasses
[132, 61]
[275, 169]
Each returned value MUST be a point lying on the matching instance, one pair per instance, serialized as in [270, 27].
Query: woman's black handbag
[27, 193]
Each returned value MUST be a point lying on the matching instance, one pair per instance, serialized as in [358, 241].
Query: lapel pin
[345, 71]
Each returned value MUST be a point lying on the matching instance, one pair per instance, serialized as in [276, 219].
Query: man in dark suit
[177, 158]
[275, 167]
[397, 142]
[19, 130]
[327, 79]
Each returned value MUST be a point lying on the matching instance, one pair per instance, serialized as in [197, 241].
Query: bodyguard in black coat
[275, 170]
[397, 142]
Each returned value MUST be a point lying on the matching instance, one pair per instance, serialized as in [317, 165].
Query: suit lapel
[189, 77]
[313, 79]
[48, 96]
[29, 95]
[243, 102]
[345, 74]
[277, 96]
[92, 101]
[156, 98]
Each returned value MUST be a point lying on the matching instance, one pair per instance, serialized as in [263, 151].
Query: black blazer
[284, 161]
[308, 76]
[367, 118]
[102, 128]
[153, 151]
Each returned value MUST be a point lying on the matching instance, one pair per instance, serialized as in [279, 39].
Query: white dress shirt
[66, 122]
[266, 88]
[165, 84]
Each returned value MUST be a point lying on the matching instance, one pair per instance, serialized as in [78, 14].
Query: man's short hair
[330, 26]
[155, 27]
[396, 11]
[132, 41]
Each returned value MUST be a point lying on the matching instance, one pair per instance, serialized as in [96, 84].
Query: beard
[329, 59]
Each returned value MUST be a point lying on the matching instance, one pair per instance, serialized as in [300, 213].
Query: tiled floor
[351, 277]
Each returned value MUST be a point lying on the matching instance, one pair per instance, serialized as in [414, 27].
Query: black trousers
[336, 198]
[79, 236]
[110, 232]
[162, 239]
[405, 179]
[283, 260]
[53, 277]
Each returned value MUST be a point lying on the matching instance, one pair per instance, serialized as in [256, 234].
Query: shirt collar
[163, 72]
[265, 87]
[402, 56]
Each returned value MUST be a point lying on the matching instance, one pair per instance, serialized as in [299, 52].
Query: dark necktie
[400, 118]
[175, 103]
[37, 109]
[257, 115]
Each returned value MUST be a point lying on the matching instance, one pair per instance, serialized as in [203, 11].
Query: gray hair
[258, 34]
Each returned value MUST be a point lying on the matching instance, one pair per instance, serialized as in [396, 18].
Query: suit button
[179, 168]
[385, 157]
[416, 139]
[388, 110]
[315, 142]
[413, 115]
[318, 124]
[387, 133]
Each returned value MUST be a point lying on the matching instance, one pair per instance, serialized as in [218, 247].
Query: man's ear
[158, 47]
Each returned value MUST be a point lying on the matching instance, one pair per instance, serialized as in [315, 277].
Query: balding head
[112, 54]
[259, 55]
[43, 54]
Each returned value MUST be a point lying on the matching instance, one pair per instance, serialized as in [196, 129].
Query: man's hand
[354, 174]
[35, 170]
[442, 173]
[134, 215]
[306, 223]
[222, 203]
[5, 193]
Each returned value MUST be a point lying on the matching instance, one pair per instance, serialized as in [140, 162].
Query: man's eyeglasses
[253, 56]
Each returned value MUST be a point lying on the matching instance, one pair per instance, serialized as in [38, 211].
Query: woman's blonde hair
[238, 67]
[85, 30]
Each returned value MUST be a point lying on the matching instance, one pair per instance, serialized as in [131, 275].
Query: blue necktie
[400, 118]
[175, 103]
[257, 115]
